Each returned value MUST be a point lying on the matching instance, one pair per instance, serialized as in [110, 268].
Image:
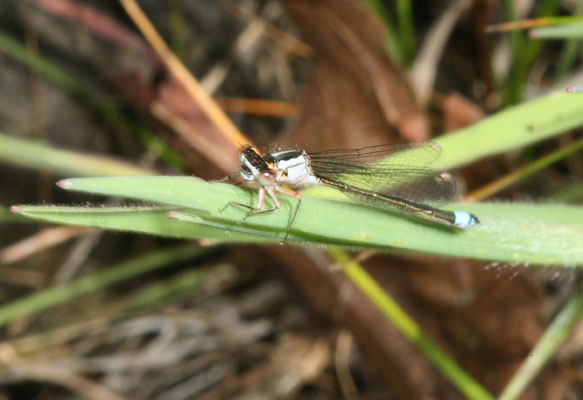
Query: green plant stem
[407, 326]
[394, 47]
[543, 162]
[177, 25]
[571, 49]
[524, 52]
[514, 85]
[406, 30]
[568, 57]
[554, 336]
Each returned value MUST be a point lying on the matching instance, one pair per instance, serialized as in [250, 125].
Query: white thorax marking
[294, 168]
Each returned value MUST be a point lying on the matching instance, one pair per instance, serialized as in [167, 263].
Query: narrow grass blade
[183, 285]
[555, 335]
[515, 176]
[392, 40]
[524, 52]
[571, 194]
[512, 128]
[516, 233]
[6, 216]
[57, 295]
[533, 23]
[245, 232]
[408, 327]
[29, 154]
[138, 219]
[567, 31]
[406, 30]
[570, 53]
[110, 112]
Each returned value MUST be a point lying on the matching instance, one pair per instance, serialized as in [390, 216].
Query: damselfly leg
[257, 210]
[298, 196]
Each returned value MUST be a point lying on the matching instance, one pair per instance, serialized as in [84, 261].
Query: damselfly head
[252, 163]
[247, 153]
[246, 173]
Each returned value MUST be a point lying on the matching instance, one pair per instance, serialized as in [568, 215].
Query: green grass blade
[50, 297]
[555, 335]
[245, 232]
[177, 26]
[512, 128]
[571, 49]
[138, 219]
[181, 286]
[406, 30]
[6, 216]
[392, 41]
[112, 113]
[512, 87]
[570, 194]
[524, 52]
[568, 31]
[521, 173]
[520, 233]
[408, 327]
[29, 154]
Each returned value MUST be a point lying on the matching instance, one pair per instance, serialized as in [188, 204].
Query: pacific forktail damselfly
[387, 176]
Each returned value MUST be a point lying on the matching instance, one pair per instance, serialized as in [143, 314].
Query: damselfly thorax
[291, 167]
[401, 183]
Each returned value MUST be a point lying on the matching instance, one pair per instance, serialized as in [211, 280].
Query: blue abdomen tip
[464, 219]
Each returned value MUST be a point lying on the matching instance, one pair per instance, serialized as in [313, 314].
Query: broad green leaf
[516, 233]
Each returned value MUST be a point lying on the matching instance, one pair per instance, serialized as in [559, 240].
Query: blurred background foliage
[87, 89]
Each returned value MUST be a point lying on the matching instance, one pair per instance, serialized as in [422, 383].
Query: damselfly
[387, 176]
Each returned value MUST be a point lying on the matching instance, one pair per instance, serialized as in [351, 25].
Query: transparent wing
[401, 173]
[411, 154]
[415, 184]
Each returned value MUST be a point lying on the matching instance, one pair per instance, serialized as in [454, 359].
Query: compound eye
[246, 173]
